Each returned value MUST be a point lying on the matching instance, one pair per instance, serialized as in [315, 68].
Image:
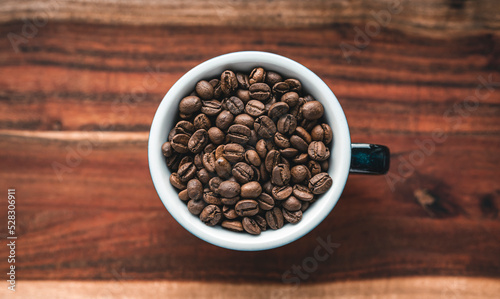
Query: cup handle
[369, 158]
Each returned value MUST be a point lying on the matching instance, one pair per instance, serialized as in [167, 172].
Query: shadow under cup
[164, 121]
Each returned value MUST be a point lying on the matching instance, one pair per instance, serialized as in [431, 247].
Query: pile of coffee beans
[249, 151]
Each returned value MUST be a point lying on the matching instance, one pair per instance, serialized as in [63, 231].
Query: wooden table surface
[80, 83]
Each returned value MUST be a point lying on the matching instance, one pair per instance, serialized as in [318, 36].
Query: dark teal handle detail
[369, 158]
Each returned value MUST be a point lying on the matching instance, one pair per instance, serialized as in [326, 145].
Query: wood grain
[393, 288]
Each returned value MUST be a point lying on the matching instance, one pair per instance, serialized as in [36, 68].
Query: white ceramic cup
[340, 158]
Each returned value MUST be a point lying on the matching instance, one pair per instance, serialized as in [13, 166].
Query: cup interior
[164, 120]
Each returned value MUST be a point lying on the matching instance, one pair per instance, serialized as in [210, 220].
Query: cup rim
[268, 239]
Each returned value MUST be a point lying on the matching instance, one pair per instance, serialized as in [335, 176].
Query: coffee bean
[228, 82]
[294, 85]
[209, 148]
[264, 174]
[211, 107]
[216, 85]
[261, 222]
[242, 172]
[185, 159]
[209, 162]
[186, 172]
[223, 168]
[251, 190]
[323, 133]
[318, 151]
[273, 78]
[229, 212]
[281, 192]
[244, 119]
[302, 192]
[216, 135]
[243, 81]
[289, 152]
[265, 127]
[201, 121]
[281, 140]
[239, 134]
[255, 108]
[267, 187]
[219, 151]
[211, 197]
[211, 215]
[204, 90]
[299, 143]
[277, 110]
[274, 218]
[176, 181]
[190, 104]
[314, 167]
[180, 143]
[290, 98]
[224, 120]
[281, 88]
[250, 226]
[292, 204]
[253, 158]
[260, 91]
[312, 110]
[280, 175]
[196, 206]
[301, 158]
[183, 195]
[204, 176]
[214, 183]
[325, 165]
[173, 162]
[302, 133]
[308, 125]
[257, 75]
[320, 183]
[234, 152]
[261, 148]
[235, 105]
[166, 149]
[300, 173]
[234, 225]
[243, 95]
[195, 189]
[273, 158]
[198, 141]
[266, 201]
[287, 124]
[229, 189]
[292, 217]
[184, 127]
[246, 207]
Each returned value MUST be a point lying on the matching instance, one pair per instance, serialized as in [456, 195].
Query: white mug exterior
[244, 61]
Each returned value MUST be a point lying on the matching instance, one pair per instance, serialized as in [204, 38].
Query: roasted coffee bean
[211, 107]
[302, 133]
[224, 120]
[300, 173]
[190, 104]
[274, 218]
[195, 189]
[198, 141]
[205, 90]
[239, 134]
[305, 206]
[229, 189]
[184, 127]
[292, 217]
[176, 181]
[281, 88]
[166, 149]
[312, 110]
[233, 225]
[290, 98]
[302, 192]
[261, 148]
[314, 167]
[308, 125]
[294, 85]
[264, 174]
[244, 119]
[318, 151]
[280, 175]
[216, 135]
[256, 173]
[292, 204]
[266, 201]
[299, 143]
[267, 187]
[281, 192]
[209, 148]
[223, 168]
[287, 124]
[265, 127]
[325, 165]
[211, 197]
[253, 138]
[183, 195]
[281, 140]
[216, 85]
[173, 162]
[253, 158]
[242, 172]
[243, 81]
[229, 212]
[323, 133]
[235, 105]
[209, 162]
[289, 152]
[273, 158]
[228, 82]
[214, 184]
[273, 78]
[243, 95]
[320, 183]
[196, 206]
[180, 143]
[201, 121]
[246, 207]
[277, 110]
[255, 108]
[230, 201]
[257, 75]
[198, 162]
[260, 91]
[261, 221]
[285, 161]
[211, 215]
[219, 151]
[186, 172]
[250, 226]
[234, 152]
[251, 190]
[204, 176]
[301, 158]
